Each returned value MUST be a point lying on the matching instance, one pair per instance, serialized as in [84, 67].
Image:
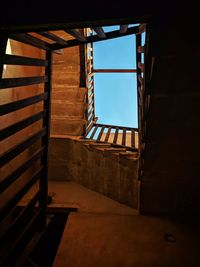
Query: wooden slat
[6, 132]
[90, 105]
[89, 127]
[100, 32]
[114, 127]
[4, 211]
[116, 136]
[25, 61]
[30, 40]
[11, 230]
[94, 131]
[91, 119]
[76, 34]
[108, 134]
[123, 28]
[17, 82]
[95, 38]
[91, 112]
[101, 133]
[115, 70]
[19, 148]
[124, 137]
[53, 37]
[6, 182]
[10, 107]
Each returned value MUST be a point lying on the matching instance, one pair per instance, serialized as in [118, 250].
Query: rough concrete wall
[171, 183]
[68, 98]
[108, 174]
[14, 94]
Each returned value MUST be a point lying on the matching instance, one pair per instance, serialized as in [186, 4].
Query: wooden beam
[30, 40]
[123, 28]
[101, 133]
[115, 70]
[108, 134]
[124, 137]
[25, 61]
[76, 34]
[100, 32]
[14, 128]
[11, 178]
[13, 106]
[19, 148]
[116, 136]
[53, 37]
[94, 131]
[25, 81]
[95, 38]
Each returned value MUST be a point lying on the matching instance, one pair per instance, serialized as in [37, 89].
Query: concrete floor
[104, 233]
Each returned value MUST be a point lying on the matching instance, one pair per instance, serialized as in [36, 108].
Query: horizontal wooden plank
[100, 32]
[25, 61]
[16, 105]
[114, 127]
[123, 28]
[25, 81]
[6, 132]
[30, 40]
[11, 230]
[4, 211]
[95, 38]
[5, 183]
[115, 70]
[19, 148]
[53, 37]
[76, 34]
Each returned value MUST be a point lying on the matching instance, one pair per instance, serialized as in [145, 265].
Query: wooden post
[45, 141]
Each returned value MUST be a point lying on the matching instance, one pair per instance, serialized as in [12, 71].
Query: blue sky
[116, 93]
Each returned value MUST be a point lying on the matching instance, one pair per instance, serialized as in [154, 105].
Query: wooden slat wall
[25, 83]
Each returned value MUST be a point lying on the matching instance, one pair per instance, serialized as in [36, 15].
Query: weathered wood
[100, 32]
[25, 61]
[124, 137]
[115, 70]
[101, 133]
[123, 28]
[116, 136]
[108, 134]
[53, 37]
[95, 38]
[6, 182]
[25, 81]
[19, 148]
[10, 107]
[76, 34]
[6, 132]
[30, 40]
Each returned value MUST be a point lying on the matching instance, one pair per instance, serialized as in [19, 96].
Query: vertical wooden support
[108, 134]
[45, 141]
[132, 138]
[116, 136]
[124, 137]
[138, 60]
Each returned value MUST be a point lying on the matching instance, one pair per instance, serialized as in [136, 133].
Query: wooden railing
[90, 115]
[25, 156]
[115, 135]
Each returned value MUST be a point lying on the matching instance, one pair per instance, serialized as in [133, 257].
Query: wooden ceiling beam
[100, 32]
